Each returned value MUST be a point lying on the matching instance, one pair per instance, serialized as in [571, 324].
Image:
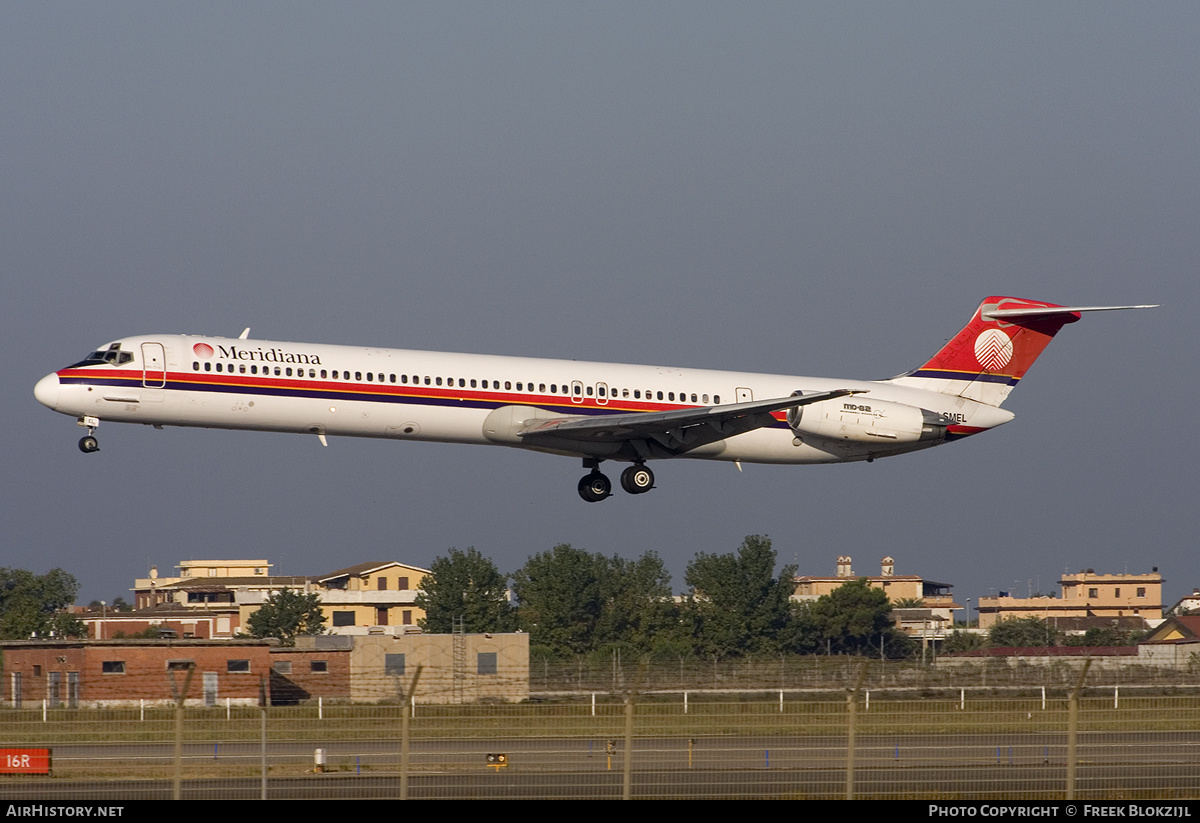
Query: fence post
[262, 704]
[852, 728]
[179, 697]
[1073, 728]
[405, 699]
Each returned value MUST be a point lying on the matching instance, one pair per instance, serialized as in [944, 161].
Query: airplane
[590, 411]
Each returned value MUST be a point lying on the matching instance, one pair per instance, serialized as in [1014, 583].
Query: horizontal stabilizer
[1046, 311]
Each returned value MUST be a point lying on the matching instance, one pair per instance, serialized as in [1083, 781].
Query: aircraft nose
[46, 391]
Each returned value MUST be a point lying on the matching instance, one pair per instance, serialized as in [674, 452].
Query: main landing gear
[594, 487]
[88, 443]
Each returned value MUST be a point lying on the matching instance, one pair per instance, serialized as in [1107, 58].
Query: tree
[573, 602]
[34, 604]
[467, 585]
[853, 619]
[738, 604]
[639, 612]
[287, 614]
[1106, 636]
[1017, 632]
[560, 596]
[958, 641]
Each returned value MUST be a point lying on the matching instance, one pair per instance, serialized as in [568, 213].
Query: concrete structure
[1085, 594]
[92, 673]
[169, 620]
[376, 597]
[922, 624]
[147, 589]
[455, 668]
[1174, 643]
[1188, 604]
[1102, 657]
[316, 667]
[934, 596]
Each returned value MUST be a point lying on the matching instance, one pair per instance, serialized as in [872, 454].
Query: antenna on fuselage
[245, 333]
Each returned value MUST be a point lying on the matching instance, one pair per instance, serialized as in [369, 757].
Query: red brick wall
[145, 675]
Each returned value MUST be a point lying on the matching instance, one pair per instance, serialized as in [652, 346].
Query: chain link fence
[790, 728]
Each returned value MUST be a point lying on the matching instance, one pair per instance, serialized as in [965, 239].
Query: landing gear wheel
[637, 479]
[594, 487]
[88, 444]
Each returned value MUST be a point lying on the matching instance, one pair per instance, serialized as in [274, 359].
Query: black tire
[594, 487]
[88, 444]
[637, 479]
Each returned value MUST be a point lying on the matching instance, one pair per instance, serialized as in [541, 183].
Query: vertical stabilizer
[985, 360]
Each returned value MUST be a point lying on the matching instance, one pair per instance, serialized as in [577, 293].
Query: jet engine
[862, 420]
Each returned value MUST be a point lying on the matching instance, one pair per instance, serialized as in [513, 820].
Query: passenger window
[370, 377]
[208, 366]
[541, 387]
[637, 393]
[507, 385]
[660, 395]
[439, 381]
[195, 365]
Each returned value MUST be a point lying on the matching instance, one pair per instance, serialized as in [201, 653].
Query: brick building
[87, 673]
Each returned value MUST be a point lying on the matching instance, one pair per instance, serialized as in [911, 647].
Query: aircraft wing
[646, 435]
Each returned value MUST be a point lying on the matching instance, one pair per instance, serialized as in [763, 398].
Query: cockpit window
[112, 355]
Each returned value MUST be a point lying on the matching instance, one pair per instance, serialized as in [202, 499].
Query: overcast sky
[813, 189]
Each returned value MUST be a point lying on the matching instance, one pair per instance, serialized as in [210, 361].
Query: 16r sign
[24, 761]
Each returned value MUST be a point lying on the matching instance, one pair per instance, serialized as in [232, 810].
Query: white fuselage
[184, 380]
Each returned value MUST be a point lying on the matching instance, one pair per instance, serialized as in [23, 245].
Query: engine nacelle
[862, 420]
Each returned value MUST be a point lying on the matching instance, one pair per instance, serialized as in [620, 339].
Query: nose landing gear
[88, 443]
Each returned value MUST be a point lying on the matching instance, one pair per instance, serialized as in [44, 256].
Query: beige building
[372, 598]
[153, 590]
[455, 668]
[377, 597]
[1085, 594]
[933, 596]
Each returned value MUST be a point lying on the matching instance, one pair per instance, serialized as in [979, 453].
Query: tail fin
[991, 354]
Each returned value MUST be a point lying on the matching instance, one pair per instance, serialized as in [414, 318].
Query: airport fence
[873, 734]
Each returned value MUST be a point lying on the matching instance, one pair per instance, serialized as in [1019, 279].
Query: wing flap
[664, 433]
